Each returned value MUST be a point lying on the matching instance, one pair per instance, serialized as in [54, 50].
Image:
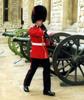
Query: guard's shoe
[26, 89]
[49, 93]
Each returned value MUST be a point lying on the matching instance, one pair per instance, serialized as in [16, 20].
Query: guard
[39, 52]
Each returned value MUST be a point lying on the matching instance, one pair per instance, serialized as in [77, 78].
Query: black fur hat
[39, 13]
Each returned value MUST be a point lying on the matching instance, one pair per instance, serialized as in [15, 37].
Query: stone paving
[12, 76]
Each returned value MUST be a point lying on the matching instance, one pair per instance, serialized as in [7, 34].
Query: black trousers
[35, 63]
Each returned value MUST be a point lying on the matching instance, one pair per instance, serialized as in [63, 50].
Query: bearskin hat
[39, 12]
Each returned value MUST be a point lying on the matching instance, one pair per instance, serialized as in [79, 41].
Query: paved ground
[12, 76]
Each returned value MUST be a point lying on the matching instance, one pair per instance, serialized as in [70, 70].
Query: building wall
[61, 13]
[27, 6]
[1, 12]
[70, 8]
[81, 16]
[14, 14]
[56, 14]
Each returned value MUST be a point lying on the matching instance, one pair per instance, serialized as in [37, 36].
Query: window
[5, 10]
[22, 22]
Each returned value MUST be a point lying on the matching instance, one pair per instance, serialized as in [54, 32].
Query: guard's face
[39, 22]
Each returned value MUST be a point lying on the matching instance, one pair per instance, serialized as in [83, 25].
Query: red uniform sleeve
[37, 32]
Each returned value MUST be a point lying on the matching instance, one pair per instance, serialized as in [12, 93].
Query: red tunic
[39, 49]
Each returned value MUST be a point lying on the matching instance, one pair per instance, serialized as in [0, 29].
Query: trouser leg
[31, 72]
[46, 75]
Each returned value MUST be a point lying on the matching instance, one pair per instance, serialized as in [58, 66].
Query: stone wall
[56, 15]
[38, 2]
[61, 13]
[27, 8]
[81, 16]
[1, 12]
[25, 12]
[14, 14]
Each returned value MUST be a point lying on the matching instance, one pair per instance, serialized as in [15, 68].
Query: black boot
[49, 93]
[26, 89]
